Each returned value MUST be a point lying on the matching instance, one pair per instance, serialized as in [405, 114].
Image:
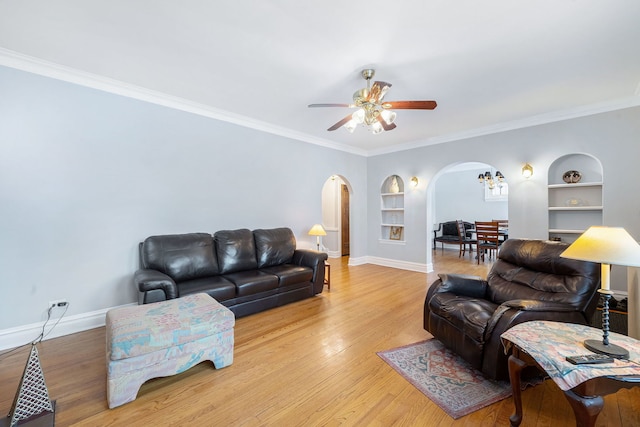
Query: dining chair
[464, 239]
[503, 227]
[487, 239]
[503, 223]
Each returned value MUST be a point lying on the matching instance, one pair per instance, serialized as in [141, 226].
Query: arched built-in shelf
[392, 209]
[574, 207]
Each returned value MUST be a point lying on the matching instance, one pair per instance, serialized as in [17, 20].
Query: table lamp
[317, 231]
[605, 245]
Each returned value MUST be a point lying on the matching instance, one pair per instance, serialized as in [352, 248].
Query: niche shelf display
[392, 209]
[575, 196]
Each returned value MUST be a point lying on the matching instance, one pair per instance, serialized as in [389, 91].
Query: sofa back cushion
[236, 250]
[533, 269]
[449, 228]
[180, 256]
[275, 246]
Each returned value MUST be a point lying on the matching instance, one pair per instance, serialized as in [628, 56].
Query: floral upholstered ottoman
[162, 339]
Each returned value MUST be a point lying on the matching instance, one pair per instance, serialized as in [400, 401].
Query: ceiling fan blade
[386, 126]
[378, 91]
[331, 105]
[410, 105]
[340, 123]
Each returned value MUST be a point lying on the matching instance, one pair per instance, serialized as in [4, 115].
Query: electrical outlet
[59, 303]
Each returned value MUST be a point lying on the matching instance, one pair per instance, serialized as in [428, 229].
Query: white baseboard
[402, 265]
[21, 335]
[358, 261]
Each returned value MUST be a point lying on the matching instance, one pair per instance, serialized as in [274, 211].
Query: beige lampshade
[605, 245]
[317, 230]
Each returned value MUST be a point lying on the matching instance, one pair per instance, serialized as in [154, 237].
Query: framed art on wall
[395, 233]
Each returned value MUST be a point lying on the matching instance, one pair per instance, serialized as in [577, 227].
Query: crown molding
[541, 119]
[41, 67]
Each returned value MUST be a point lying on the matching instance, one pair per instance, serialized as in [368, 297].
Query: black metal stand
[605, 347]
[32, 405]
[44, 419]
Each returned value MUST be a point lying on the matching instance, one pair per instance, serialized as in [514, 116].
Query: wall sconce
[414, 181]
[527, 171]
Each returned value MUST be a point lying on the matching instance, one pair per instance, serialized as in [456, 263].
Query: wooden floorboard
[310, 363]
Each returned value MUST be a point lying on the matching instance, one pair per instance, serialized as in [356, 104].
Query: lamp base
[612, 350]
[43, 419]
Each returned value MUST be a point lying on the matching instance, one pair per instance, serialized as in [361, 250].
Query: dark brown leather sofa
[528, 281]
[246, 271]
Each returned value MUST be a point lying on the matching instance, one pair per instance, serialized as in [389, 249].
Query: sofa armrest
[463, 284]
[154, 286]
[315, 260]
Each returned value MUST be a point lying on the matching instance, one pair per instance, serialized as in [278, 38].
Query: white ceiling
[491, 66]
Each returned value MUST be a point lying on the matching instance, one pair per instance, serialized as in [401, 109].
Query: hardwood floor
[309, 363]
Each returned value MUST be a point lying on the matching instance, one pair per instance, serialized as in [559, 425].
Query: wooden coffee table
[545, 345]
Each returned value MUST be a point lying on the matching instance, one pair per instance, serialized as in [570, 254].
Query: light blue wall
[458, 195]
[613, 138]
[85, 175]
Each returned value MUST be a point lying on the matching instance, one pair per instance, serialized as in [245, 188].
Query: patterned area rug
[445, 378]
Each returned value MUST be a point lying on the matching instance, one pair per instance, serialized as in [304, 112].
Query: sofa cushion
[236, 250]
[180, 256]
[289, 274]
[450, 228]
[217, 287]
[274, 247]
[252, 282]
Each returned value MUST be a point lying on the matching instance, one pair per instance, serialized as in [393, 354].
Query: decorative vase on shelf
[571, 177]
[395, 188]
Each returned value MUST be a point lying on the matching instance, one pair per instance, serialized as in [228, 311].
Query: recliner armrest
[463, 284]
[517, 309]
[152, 282]
[535, 305]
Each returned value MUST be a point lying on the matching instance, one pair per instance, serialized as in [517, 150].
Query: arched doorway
[456, 192]
[336, 216]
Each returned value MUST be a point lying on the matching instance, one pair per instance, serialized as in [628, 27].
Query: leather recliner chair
[528, 281]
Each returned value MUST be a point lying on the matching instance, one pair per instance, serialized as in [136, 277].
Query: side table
[327, 275]
[545, 344]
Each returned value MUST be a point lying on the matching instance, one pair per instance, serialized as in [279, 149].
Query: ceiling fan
[372, 110]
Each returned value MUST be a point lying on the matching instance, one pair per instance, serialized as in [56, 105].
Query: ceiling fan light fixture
[388, 116]
[358, 116]
[371, 110]
[350, 125]
[360, 96]
[376, 128]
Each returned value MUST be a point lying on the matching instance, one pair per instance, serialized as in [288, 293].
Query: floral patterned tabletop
[550, 342]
